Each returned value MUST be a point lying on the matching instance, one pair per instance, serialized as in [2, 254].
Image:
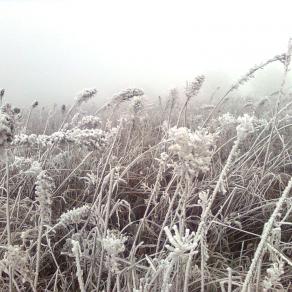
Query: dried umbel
[227, 120]
[193, 149]
[114, 243]
[20, 164]
[181, 247]
[244, 125]
[85, 95]
[34, 170]
[128, 94]
[61, 159]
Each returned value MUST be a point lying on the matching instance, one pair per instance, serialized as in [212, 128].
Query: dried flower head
[137, 104]
[7, 124]
[34, 170]
[74, 216]
[20, 164]
[89, 122]
[89, 139]
[250, 74]
[245, 126]
[193, 87]
[127, 94]
[273, 278]
[193, 149]
[226, 120]
[44, 188]
[114, 243]
[17, 259]
[85, 95]
[180, 245]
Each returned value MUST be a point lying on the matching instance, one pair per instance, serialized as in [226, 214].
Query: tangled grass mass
[140, 196]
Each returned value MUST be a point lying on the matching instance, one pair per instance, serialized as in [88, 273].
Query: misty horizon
[51, 50]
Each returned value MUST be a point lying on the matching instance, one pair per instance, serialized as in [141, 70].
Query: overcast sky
[52, 49]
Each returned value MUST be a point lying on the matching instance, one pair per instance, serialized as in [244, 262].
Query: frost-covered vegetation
[145, 195]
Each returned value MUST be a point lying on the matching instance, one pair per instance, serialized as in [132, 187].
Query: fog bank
[50, 50]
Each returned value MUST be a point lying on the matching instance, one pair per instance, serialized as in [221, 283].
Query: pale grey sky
[53, 49]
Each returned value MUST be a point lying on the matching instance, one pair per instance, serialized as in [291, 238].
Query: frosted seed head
[85, 95]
